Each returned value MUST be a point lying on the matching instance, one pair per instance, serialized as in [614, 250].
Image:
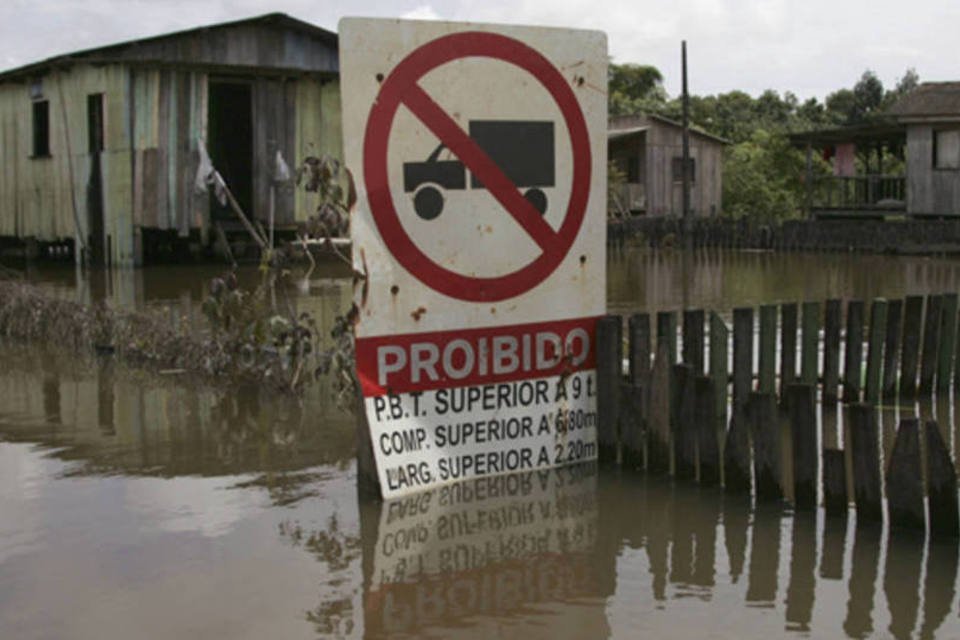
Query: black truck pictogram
[523, 150]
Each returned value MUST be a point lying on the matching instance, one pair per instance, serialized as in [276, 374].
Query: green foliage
[635, 88]
[763, 178]
[763, 175]
[616, 180]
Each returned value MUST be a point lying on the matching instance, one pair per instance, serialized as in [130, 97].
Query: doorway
[95, 224]
[230, 143]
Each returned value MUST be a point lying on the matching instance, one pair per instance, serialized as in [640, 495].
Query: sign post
[479, 154]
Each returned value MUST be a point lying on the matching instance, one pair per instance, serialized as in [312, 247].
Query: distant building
[931, 116]
[907, 163]
[648, 150]
[100, 147]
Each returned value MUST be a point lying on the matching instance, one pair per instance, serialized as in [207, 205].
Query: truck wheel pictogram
[428, 202]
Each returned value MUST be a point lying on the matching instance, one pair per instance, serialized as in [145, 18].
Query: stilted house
[99, 148]
[907, 163]
[648, 150]
[931, 117]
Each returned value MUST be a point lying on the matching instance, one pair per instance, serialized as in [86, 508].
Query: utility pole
[685, 171]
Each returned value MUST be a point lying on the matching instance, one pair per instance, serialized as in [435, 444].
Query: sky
[808, 47]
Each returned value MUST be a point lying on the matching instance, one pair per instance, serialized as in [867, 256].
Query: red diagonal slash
[483, 167]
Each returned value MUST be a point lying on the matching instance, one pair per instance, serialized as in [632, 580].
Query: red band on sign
[426, 361]
[401, 88]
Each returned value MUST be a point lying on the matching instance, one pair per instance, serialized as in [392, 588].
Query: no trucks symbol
[509, 158]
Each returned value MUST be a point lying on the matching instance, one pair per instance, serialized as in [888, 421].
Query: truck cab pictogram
[522, 149]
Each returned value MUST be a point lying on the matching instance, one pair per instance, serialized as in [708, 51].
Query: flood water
[138, 505]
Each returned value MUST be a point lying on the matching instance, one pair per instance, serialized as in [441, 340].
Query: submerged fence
[747, 420]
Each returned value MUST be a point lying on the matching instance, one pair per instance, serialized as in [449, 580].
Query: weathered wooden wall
[169, 112]
[38, 195]
[929, 191]
[657, 146]
[155, 99]
[318, 132]
[149, 183]
[664, 194]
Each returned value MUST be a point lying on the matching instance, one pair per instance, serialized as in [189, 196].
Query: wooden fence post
[658, 442]
[667, 334]
[948, 340]
[878, 327]
[931, 341]
[835, 482]
[865, 447]
[942, 486]
[853, 358]
[764, 421]
[685, 426]
[788, 346]
[831, 351]
[633, 411]
[891, 348]
[742, 357]
[693, 339]
[636, 392]
[904, 480]
[736, 450]
[639, 360]
[768, 349]
[802, 405]
[609, 377]
[719, 368]
[706, 421]
[912, 323]
[810, 343]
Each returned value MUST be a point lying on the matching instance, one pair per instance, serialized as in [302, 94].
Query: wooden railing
[870, 192]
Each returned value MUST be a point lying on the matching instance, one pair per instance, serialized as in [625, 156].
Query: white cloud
[423, 12]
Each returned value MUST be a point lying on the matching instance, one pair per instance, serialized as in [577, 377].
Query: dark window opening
[95, 122]
[677, 169]
[633, 169]
[41, 129]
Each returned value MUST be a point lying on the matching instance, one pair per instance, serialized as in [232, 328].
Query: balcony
[866, 196]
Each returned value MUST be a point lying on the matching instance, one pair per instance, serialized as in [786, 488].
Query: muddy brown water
[142, 505]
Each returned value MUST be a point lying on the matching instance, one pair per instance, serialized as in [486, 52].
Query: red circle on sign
[401, 87]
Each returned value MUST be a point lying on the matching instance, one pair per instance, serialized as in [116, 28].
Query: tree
[635, 88]
[841, 107]
[762, 178]
[868, 97]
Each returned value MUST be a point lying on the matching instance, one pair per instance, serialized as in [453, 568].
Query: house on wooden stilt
[99, 148]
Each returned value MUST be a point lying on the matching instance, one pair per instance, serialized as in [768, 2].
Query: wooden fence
[748, 421]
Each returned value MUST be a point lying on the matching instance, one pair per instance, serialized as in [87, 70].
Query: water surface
[141, 505]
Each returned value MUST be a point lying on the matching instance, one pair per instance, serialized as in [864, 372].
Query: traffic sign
[401, 88]
[479, 153]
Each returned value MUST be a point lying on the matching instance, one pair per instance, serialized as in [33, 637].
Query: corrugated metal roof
[930, 99]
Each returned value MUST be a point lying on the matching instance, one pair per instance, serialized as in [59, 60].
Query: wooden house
[99, 148]
[931, 116]
[921, 133]
[648, 150]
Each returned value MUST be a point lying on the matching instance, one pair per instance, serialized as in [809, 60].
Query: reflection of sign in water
[488, 546]
[478, 312]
